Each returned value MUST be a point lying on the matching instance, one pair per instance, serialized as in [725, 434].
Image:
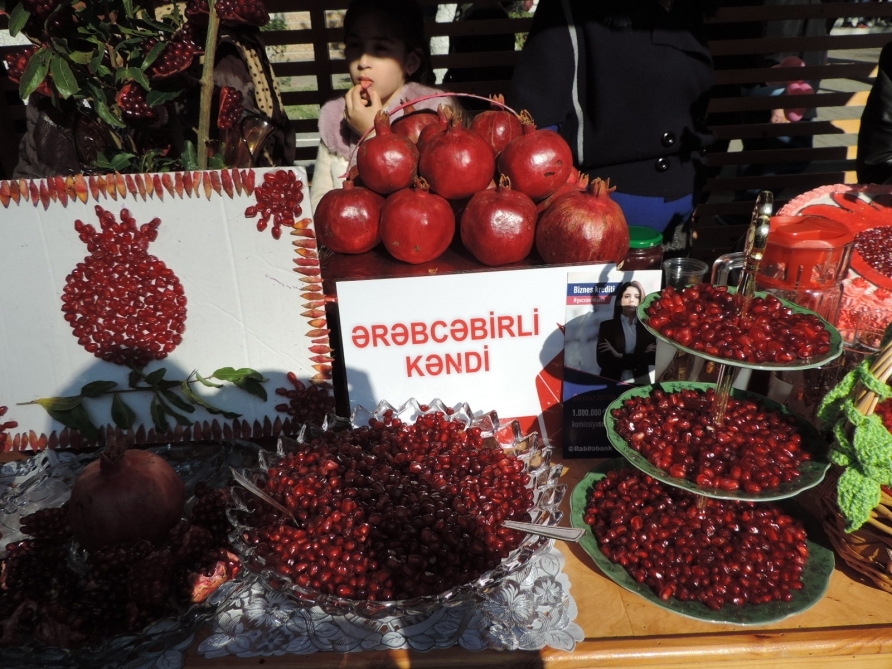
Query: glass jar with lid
[645, 249]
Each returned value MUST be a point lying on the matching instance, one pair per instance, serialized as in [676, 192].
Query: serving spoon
[570, 534]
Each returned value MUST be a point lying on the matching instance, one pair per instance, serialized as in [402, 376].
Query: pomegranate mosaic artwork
[124, 305]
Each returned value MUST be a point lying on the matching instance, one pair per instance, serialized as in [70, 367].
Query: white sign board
[481, 338]
[250, 302]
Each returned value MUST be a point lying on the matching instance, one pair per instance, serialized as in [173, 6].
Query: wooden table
[850, 627]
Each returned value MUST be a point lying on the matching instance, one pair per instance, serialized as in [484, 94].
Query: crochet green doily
[867, 455]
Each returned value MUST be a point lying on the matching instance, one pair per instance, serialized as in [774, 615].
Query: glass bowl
[529, 449]
[45, 480]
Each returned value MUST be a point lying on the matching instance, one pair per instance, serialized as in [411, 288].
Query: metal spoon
[560, 533]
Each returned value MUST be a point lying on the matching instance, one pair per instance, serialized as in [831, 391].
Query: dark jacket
[638, 361]
[874, 161]
[628, 83]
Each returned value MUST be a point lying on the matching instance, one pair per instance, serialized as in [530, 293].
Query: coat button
[668, 139]
[661, 165]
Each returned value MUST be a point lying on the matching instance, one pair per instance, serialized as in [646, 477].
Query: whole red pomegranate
[583, 226]
[347, 219]
[538, 162]
[576, 181]
[413, 121]
[124, 497]
[456, 163]
[498, 225]
[416, 225]
[446, 116]
[497, 126]
[387, 162]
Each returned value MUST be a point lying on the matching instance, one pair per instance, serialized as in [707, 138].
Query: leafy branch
[170, 398]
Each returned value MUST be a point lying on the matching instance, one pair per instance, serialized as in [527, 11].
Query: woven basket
[869, 548]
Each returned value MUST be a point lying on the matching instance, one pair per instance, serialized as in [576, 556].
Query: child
[387, 54]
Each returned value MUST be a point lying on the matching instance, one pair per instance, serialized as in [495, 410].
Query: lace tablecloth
[530, 611]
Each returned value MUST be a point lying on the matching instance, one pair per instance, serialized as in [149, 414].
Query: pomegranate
[497, 126]
[413, 121]
[583, 226]
[498, 225]
[446, 115]
[347, 219]
[575, 182]
[538, 162]
[416, 225]
[456, 163]
[387, 162]
[124, 497]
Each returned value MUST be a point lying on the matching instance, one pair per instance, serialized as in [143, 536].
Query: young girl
[389, 64]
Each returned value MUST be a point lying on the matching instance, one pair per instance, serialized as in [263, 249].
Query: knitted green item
[857, 497]
[867, 456]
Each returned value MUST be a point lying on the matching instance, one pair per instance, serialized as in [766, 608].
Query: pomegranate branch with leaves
[170, 399]
[119, 67]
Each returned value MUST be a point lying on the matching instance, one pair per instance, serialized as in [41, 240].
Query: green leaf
[105, 113]
[97, 388]
[134, 378]
[35, 72]
[206, 382]
[153, 378]
[58, 403]
[158, 417]
[235, 375]
[139, 77]
[179, 418]
[156, 97]
[160, 25]
[216, 162]
[122, 414]
[188, 156]
[128, 8]
[195, 398]
[18, 19]
[252, 386]
[177, 401]
[63, 78]
[63, 417]
[121, 161]
[81, 57]
[83, 423]
[153, 54]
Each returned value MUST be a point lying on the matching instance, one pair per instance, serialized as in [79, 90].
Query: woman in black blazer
[623, 342]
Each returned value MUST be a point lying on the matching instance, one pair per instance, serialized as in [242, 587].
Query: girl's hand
[650, 348]
[362, 106]
[605, 347]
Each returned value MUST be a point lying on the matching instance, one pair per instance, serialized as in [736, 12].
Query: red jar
[645, 249]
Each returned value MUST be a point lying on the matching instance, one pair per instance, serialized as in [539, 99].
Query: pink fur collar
[341, 140]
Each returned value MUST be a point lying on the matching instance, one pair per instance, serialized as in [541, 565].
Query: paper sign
[250, 303]
[486, 338]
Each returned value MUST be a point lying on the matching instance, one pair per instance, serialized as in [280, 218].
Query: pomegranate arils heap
[393, 511]
[692, 548]
[278, 198]
[873, 245]
[132, 101]
[124, 305]
[231, 107]
[308, 404]
[705, 318]
[176, 57]
[754, 449]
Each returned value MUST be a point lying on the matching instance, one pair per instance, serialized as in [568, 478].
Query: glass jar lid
[641, 237]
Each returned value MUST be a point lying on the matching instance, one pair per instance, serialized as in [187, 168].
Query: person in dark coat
[874, 162]
[625, 349]
[626, 83]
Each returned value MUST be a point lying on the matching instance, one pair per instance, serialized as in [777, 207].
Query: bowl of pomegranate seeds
[704, 320]
[398, 511]
[722, 561]
[760, 452]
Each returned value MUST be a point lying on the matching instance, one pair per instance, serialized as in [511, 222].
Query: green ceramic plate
[811, 472]
[834, 352]
[816, 577]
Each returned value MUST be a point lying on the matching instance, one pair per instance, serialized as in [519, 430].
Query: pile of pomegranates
[503, 183]
[390, 511]
[692, 548]
[706, 318]
[754, 449]
[146, 559]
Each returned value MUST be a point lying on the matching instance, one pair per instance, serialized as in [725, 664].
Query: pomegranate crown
[117, 237]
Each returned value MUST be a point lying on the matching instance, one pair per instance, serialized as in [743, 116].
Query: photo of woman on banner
[626, 351]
